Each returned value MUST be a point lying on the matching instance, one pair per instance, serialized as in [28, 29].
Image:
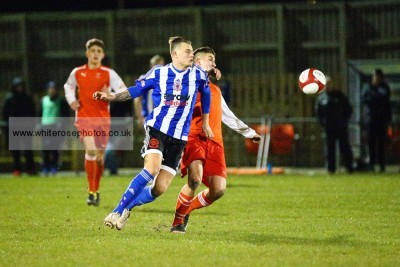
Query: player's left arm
[233, 122]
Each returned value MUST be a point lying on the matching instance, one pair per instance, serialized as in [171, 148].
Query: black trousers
[50, 159]
[29, 163]
[376, 137]
[342, 137]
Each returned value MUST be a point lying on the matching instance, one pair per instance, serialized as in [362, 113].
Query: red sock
[182, 205]
[90, 169]
[200, 201]
[99, 174]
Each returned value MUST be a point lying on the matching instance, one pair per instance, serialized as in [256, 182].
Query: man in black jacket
[377, 118]
[19, 104]
[334, 110]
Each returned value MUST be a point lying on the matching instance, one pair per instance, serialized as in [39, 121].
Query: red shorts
[210, 153]
[100, 131]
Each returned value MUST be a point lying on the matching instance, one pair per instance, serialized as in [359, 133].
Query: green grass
[283, 220]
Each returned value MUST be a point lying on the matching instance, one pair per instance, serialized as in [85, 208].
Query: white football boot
[122, 219]
[112, 219]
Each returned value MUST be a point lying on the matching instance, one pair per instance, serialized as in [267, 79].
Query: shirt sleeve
[144, 84]
[230, 120]
[116, 82]
[70, 87]
[205, 93]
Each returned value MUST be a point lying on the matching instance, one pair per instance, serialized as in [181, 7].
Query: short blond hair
[177, 40]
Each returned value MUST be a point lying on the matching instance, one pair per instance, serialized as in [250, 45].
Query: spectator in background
[20, 104]
[53, 106]
[378, 116]
[144, 104]
[333, 111]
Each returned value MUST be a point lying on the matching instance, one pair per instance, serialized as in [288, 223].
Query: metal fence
[261, 49]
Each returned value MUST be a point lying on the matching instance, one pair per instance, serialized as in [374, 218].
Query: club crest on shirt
[154, 143]
[177, 85]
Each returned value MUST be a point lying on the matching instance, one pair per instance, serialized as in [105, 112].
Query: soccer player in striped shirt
[204, 159]
[90, 115]
[175, 88]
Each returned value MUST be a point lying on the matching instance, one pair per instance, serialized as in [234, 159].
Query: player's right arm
[70, 91]
[141, 87]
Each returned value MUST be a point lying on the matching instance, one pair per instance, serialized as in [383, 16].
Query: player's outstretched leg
[134, 189]
[143, 198]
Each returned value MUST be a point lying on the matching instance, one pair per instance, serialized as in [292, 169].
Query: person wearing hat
[377, 118]
[53, 106]
[20, 104]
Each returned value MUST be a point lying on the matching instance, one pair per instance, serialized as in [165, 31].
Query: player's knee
[216, 194]
[100, 159]
[91, 153]
[153, 170]
[157, 191]
[194, 183]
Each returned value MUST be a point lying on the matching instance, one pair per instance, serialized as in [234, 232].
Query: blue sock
[143, 198]
[134, 189]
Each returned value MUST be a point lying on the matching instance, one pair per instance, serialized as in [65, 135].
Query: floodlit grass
[283, 220]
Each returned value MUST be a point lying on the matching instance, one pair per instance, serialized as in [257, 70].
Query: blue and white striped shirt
[174, 96]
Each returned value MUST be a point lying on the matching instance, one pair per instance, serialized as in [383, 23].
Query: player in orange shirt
[204, 159]
[91, 116]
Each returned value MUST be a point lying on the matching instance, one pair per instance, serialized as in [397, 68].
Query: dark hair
[177, 40]
[204, 49]
[378, 72]
[93, 42]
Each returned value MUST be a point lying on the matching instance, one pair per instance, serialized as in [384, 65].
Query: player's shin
[134, 189]
[144, 197]
[200, 201]
[182, 206]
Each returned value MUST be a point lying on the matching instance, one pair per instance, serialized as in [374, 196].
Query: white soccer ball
[312, 81]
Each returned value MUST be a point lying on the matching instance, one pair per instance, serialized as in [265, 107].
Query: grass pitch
[283, 220]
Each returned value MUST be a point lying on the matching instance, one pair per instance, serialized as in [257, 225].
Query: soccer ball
[312, 81]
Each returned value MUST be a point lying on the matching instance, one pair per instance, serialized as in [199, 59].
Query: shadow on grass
[163, 211]
[242, 186]
[265, 239]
